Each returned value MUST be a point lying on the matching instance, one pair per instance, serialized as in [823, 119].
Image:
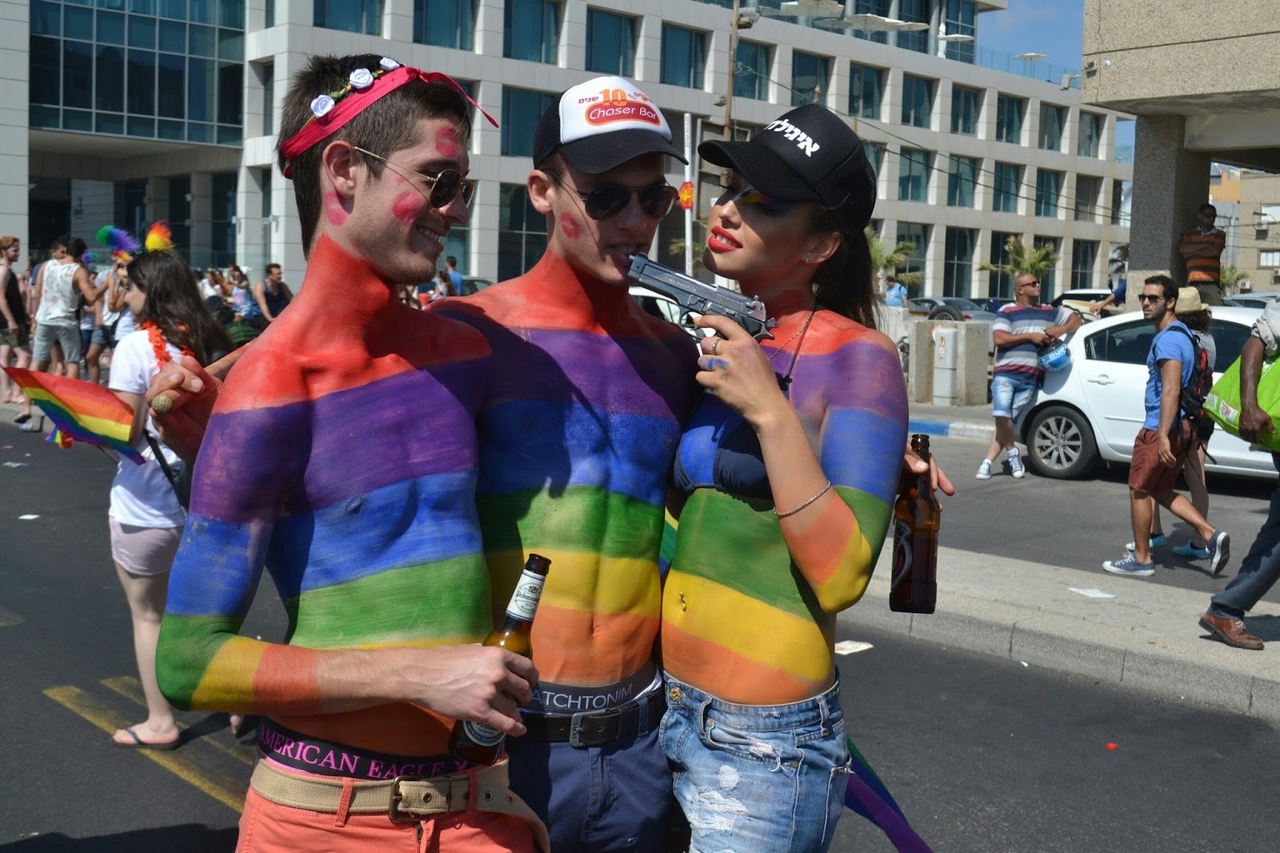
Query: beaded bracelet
[825, 489]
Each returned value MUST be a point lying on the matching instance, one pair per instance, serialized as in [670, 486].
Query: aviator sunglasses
[445, 185]
[605, 202]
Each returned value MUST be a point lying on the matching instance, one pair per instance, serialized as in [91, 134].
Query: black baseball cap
[809, 154]
[601, 124]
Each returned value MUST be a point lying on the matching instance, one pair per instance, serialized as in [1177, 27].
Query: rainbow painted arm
[863, 429]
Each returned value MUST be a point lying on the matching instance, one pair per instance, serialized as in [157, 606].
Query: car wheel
[946, 312]
[1060, 444]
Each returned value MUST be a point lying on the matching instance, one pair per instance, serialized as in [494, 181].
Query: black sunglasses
[1151, 297]
[605, 202]
[446, 185]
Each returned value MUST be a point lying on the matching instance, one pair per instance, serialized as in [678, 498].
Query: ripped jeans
[756, 777]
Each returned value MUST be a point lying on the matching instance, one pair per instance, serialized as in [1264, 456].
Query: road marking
[9, 618]
[131, 689]
[184, 763]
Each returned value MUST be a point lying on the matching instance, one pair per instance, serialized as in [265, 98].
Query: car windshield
[962, 304]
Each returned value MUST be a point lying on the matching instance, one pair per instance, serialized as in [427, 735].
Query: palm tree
[1232, 278]
[1037, 261]
[886, 263]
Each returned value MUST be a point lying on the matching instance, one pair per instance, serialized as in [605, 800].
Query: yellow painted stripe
[746, 627]
[183, 763]
[584, 580]
[9, 618]
[131, 689]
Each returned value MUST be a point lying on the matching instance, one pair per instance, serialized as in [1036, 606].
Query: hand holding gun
[696, 296]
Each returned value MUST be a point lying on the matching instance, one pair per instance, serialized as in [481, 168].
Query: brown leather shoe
[1230, 631]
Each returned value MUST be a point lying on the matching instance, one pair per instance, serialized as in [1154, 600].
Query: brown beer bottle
[915, 539]
[476, 742]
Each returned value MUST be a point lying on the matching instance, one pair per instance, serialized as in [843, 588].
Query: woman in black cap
[786, 474]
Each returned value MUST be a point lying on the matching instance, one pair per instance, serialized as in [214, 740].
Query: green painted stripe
[581, 518]
[187, 645]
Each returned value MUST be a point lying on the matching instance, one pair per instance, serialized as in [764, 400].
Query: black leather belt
[593, 729]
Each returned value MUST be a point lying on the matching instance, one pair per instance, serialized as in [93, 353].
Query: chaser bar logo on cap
[601, 124]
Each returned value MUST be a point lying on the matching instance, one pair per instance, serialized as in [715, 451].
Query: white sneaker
[984, 470]
[1015, 466]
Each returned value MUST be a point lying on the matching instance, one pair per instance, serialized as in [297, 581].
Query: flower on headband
[388, 64]
[361, 78]
[321, 106]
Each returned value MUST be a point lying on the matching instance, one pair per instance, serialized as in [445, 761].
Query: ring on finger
[715, 346]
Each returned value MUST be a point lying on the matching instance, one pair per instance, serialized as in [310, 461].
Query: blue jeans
[756, 777]
[1259, 571]
[1010, 394]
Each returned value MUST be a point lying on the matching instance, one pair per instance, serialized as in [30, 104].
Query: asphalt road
[983, 754]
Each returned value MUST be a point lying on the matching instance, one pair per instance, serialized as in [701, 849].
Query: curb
[946, 429]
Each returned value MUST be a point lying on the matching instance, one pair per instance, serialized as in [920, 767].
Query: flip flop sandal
[139, 743]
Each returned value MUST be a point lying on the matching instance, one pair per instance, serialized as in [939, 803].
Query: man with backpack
[1160, 448]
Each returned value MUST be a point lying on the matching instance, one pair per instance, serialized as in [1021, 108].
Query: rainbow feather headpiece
[159, 237]
[122, 244]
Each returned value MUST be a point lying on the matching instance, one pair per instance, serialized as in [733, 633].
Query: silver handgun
[696, 296]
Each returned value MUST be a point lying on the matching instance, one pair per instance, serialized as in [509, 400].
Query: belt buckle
[393, 808]
[575, 729]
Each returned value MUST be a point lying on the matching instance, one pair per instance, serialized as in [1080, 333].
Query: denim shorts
[756, 777]
[1010, 394]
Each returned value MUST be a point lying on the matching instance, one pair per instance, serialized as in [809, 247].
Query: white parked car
[1092, 410]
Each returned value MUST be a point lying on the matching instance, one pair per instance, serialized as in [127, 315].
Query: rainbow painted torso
[744, 617]
[342, 457]
[576, 441]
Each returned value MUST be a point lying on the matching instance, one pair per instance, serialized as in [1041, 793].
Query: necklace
[785, 381]
[156, 337]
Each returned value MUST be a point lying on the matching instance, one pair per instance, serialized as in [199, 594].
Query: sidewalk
[1146, 637]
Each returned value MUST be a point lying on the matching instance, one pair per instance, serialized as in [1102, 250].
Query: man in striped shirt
[1019, 330]
[1201, 248]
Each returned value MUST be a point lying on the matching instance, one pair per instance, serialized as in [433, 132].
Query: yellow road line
[8, 618]
[131, 689]
[183, 763]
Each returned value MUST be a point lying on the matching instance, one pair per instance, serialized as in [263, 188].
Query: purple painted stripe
[860, 375]
[340, 446]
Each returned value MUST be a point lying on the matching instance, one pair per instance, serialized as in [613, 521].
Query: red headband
[330, 113]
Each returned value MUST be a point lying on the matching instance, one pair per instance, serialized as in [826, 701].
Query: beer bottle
[476, 742]
[915, 539]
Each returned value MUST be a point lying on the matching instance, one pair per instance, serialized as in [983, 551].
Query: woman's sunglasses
[446, 185]
[767, 204]
[605, 202]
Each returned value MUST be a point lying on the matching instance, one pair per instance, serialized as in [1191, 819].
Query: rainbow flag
[79, 410]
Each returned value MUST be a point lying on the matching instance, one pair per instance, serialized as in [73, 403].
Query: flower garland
[158, 345]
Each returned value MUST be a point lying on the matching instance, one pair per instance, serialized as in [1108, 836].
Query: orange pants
[267, 827]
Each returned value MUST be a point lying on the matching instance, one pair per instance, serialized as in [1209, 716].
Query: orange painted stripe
[725, 675]
[577, 647]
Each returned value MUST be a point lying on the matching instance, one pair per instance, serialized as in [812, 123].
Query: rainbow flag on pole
[79, 410]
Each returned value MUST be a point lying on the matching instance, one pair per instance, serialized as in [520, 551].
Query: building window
[611, 43]
[871, 7]
[866, 91]
[1087, 190]
[1084, 254]
[809, 75]
[1269, 258]
[529, 30]
[1001, 283]
[751, 75]
[917, 234]
[1117, 202]
[444, 23]
[965, 105]
[957, 265]
[1007, 188]
[1049, 278]
[684, 57]
[1048, 190]
[522, 232]
[913, 175]
[352, 16]
[1051, 121]
[875, 154]
[1009, 112]
[961, 180]
[917, 101]
[521, 110]
[958, 18]
[179, 215]
[915, 12]
[223, 236]
[267, 74]
[1090, 138]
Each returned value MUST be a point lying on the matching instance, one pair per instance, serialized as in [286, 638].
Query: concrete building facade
[128, 111]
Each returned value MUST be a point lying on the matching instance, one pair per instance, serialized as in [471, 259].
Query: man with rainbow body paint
[341, 456]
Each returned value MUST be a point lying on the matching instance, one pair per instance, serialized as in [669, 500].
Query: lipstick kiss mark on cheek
[447, 142]
[571, 228]
[333, 209]
[407, 207]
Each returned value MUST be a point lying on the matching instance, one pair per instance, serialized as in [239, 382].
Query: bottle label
[901, 552]
[482, 735]
[524, 601]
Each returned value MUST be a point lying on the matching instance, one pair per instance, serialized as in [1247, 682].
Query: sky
[1052, 27]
